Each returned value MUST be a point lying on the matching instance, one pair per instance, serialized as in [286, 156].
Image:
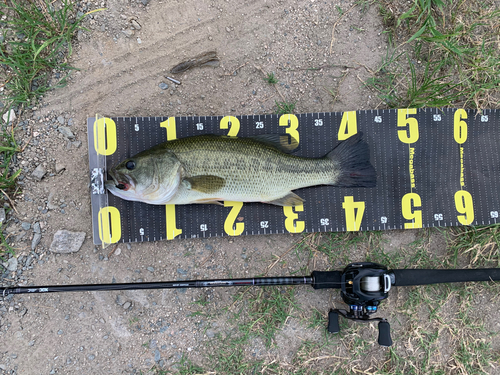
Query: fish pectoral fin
[206, 184]
[208, 201]
[291, 199]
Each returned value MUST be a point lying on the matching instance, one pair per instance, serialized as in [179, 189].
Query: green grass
[284, 108]
[479, 244]
[35, 44]
[265, 311]
[271, 78]
[446, 55]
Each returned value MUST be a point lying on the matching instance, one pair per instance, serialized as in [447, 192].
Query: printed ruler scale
[435, 167]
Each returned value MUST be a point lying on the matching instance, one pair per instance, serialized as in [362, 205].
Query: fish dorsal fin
[206, 184]
[278, 141]
[291, 199]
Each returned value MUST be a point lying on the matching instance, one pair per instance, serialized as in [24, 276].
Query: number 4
[353, 213]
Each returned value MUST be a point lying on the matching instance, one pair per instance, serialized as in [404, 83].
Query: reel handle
[384, 333]
[333, 322]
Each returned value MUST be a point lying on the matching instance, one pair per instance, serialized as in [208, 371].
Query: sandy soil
[120, 72]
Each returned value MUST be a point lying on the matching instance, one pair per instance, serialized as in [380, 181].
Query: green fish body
[210, 169]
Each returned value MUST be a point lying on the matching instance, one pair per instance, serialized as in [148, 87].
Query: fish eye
[120, 186]
[130, 165]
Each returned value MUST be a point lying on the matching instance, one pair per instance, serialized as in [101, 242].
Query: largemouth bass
[211, 168]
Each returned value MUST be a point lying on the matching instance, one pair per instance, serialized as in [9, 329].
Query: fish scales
[259, 172]
[210, 169]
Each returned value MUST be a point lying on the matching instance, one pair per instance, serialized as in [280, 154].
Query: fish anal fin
[208, 201]
[291, 199]
[206, 184]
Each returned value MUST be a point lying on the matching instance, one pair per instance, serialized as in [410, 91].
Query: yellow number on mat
[410, 134]
[348, 125]
[460, 126]
[105, 136]
[230, 227]
[464, 205]
[169, 125]
[291, 223]
[231, 123]
[292, 123]
[353, 213]
[110, 227]
[171, 230]
[408, 202]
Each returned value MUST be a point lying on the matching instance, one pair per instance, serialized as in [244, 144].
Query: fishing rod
[362, 286]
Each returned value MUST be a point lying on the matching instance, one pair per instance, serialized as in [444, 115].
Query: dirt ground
[121, 68]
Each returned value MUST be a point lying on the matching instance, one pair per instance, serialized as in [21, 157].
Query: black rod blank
[259, 281]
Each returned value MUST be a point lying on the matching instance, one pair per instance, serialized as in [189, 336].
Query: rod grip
[410, 277]
[326, 279]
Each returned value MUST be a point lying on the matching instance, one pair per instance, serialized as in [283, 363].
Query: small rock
[50, 204]
[10, 116]
[150, 269]
[36, 240]
[12, 264]
[25, 225]
[91, 357]
[77, 144]
[61, 120]
[136, 24]
[64, 130]
[2, 215]
[39, 172]
[59, 167]
[157, 355]
[66, 242]
[145, 2]
[210, 333]
[126, 305]
[128, 33]
[31, 343]
[36, 228]
[71, 122]
[60, 332]
[163, 86]
[120, 299]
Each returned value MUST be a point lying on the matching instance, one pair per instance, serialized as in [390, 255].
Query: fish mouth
[121, 182]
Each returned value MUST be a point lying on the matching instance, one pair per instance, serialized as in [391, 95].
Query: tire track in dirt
[130, 71]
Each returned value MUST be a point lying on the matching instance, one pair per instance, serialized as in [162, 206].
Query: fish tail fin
[352, 157]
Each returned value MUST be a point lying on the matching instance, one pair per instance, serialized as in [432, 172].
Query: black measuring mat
[435, 167]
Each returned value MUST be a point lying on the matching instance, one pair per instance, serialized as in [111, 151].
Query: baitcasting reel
[363, 286]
